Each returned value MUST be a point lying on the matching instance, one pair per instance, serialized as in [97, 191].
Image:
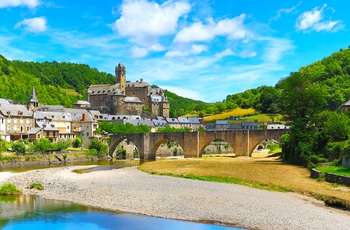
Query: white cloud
[232, 28]
[144, 22]
[293, 9]
[226, 52]
[15, 3]
[247, 54]
[35, 25]
[139, 52]
[187, 51]
[314, 20]
[275, 48]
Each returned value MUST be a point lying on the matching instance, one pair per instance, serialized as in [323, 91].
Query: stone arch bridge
[193, 144]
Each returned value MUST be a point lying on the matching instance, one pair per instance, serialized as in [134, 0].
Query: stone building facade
[128, 98]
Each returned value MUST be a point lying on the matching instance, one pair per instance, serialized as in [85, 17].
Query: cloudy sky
[201, 49]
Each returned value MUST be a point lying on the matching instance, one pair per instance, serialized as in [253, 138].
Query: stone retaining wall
[332, 178]
[315, 173]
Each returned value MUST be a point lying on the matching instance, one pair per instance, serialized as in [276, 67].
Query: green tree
[301, 101]
[43, 145]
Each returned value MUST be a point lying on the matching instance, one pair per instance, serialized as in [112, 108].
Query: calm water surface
[26, 212]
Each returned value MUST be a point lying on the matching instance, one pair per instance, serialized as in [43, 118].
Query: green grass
[342, 171]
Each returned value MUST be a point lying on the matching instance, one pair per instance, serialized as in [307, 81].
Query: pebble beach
[133, 191]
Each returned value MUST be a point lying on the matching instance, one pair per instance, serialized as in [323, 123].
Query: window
[68, 127]
[87, 134]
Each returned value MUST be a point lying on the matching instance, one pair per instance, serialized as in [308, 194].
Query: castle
[128, 98]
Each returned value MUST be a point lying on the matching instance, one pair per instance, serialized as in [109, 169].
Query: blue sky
[201, 49]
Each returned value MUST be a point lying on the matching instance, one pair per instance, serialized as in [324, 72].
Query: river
[27, 212]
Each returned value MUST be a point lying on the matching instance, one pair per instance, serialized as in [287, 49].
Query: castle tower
[120, 74]
[33, 103]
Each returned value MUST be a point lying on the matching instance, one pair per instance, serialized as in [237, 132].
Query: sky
[200, 49]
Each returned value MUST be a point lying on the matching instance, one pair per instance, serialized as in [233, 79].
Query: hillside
[55, 83]
[65, 83]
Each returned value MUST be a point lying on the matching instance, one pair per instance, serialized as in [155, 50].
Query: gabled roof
[172, 120]
[34, 130]
[15, 110]
[221, 122]
[160, 123]
[4, 101]
[105, 89]
[347, 103]
[183, 120]
[80, 102]
[193, 120]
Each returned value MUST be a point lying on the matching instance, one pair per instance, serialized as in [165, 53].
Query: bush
[102, 149]
[19, 147]
[9, 189]
[77, 142]
[36, 186]
[121, 153]
[59, 146]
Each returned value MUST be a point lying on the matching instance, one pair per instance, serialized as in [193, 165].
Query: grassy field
[71, 92]
[335, 170]
[261, 172]
[248, 113]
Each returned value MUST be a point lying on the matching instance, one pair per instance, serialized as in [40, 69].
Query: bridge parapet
[243, 142]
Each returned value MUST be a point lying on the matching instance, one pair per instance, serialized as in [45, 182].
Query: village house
[16, 120]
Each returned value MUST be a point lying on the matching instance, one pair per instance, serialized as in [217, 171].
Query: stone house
[17, 119]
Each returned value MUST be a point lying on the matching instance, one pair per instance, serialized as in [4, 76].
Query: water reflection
[102, 164]
[26, 212]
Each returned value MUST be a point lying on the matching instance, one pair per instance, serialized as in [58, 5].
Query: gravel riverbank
[130, 190]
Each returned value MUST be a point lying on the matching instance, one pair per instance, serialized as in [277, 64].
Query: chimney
[83, 117]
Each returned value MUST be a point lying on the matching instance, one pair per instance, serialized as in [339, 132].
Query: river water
[27, 212]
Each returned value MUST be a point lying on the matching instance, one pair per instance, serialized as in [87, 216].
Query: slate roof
[15, 110]
[33, 97]
[193, 120]
[34, 130]
[160, 123]
[132, 100]
[105, 89]
[4, 101]
[172, 120]
[80, 102]
[137, 84]
[183, 120]
[52, 115]
[221, 122]
[347, 103]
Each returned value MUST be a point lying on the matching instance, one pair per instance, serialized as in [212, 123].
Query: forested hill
[182, 105]
[64, 83]
[331, 75]
[55, 83]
